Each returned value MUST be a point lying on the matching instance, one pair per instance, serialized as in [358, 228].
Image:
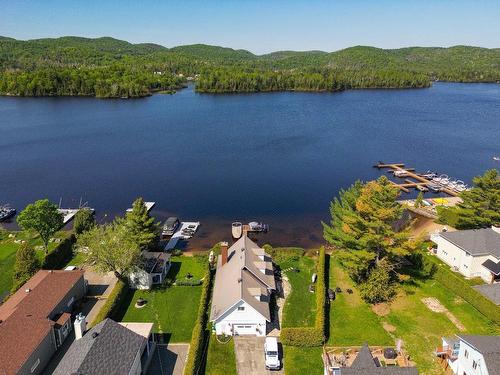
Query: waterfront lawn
[172, 309]
[300, 304]
[299, 361]
[8, 248]
[352, 321]
[221, 358]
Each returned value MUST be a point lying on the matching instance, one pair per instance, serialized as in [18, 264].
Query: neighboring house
[243, 285]
[35, 321]
[365, 363]
[110, 348]
[473, 253]
[471, 355]
[153, 270]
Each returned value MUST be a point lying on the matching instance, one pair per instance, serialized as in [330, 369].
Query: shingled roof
[108, 348]
[241, 278]
[489, 347]
[25, 316]
[476, 241]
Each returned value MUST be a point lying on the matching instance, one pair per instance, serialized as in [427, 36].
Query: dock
[420, 181]
[172, 243]
[69, 213]
[149, 206]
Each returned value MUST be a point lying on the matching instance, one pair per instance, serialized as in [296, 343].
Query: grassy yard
[172, 309]
[300, 305]
[352, 321]
[299, 361]
[8, 248]
[221, 358]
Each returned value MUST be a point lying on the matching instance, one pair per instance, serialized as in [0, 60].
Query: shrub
[61, 255]
[280, 254]
[192, 282]
[113, 302]
[378, 287]
[200, 332]
[312, 336]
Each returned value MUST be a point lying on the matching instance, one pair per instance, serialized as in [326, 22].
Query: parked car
[170, 226]
[271, 353]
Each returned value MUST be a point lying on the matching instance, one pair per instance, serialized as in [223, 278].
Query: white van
[271, 353]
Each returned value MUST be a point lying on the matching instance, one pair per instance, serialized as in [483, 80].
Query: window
[466, 355]
[241, 308]
[474, 364]
[35, 365]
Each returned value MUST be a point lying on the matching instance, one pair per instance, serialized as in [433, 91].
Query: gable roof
[364, 364]
[489, 347]
[475, 241]
[107, 348]
[240, 279]
[31, 312]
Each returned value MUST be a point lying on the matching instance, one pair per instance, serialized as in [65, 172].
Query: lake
[272, 157]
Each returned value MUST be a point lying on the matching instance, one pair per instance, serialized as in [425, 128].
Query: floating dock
[172, 243]
[69, 213]
[421, 181]
[149, 206]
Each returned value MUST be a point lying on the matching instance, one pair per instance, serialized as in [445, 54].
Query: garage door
[247, 329]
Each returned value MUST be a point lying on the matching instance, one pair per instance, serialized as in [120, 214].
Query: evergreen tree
[419, 201]
[26, 265]
[480, 207]
[140, 226]
[84, 220]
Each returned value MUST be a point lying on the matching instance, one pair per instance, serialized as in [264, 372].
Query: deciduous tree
[26, 265]
[84, 220]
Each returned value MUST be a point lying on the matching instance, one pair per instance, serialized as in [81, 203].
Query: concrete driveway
[250, 360]
[169, 359]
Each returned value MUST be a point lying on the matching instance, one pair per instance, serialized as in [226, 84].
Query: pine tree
[140, 226]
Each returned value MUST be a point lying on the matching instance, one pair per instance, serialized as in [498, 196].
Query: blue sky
[261, 26]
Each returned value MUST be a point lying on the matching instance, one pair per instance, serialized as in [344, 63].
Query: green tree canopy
[84, 220]
[110, 248]
[26, 265]
[140, 226]
[43, 218]
[480, 207]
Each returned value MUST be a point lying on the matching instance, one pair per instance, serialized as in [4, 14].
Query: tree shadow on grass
[122, 305]
[175, 267]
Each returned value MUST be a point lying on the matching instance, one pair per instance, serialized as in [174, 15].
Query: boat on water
[422, 188]
[496, 158]
[236, 229]
[401, 173]
[434, 187]
[258, 227]
[6, 212]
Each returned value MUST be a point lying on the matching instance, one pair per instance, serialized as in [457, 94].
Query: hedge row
[311, 336]
[199, 334]
[192, 282]
[113, 302]
[61, 255]
[464, 290]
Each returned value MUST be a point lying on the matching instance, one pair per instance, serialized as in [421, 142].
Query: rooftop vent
[240, 280]
[94, 335]
[27, 290]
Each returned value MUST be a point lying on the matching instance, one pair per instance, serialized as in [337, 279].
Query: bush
[61, 255]
[280, 254]
[199, 335]
[457, 285]
[378, 287]
[187, 282]
[113, 302]
[312, 336]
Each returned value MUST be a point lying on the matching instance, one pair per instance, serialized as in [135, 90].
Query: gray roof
[365, 365]
[494, 267]
[489, 347]
[241, 279]
[490, 291]
[112, 351]
[476, 241]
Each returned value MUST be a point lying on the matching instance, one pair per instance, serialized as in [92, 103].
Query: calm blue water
[276, 157]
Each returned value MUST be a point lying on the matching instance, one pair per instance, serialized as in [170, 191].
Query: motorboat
[429, 174]
[6, 212]
[442, 180]
[422, 188]
[434, 187]
[401, 173]
[237, 229]
[258, 227]
[496, 158]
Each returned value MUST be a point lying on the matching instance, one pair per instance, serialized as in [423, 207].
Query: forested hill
[107, 67]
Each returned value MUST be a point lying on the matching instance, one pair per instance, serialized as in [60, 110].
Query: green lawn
[220, 358]
[8, 248]
[300, 305]
[352, 321]
[299, 361]
[172, 309]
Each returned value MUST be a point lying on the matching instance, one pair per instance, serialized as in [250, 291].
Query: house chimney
[223, 252]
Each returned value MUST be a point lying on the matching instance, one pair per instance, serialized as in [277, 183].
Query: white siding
[465, 364]
[140, 279]
[245, 316]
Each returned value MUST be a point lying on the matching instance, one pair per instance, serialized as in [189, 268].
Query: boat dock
[149, 206]
[69, 213]
[409, 172]
[172, 243]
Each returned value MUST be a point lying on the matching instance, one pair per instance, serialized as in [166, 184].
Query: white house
[243, 285]
[154, 269]
[471, 355]
[473, 253]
